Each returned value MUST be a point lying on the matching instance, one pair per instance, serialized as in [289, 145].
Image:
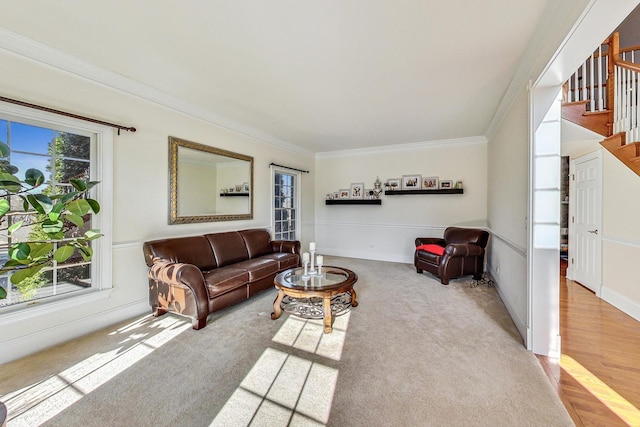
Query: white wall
[388, 232]
[621, 236]
[140, 204]
[508, 154]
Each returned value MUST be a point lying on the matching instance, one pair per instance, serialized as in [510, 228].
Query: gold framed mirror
[208, 184]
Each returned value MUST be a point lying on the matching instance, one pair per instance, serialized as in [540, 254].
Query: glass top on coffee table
[329, 278]
[324, 295]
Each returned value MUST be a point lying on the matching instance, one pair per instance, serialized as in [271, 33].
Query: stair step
[629, 154]
[596, 121]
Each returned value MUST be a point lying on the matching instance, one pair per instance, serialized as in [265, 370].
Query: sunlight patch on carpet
[308, 335]
[612, 400]
[42, 401]
[280, 390]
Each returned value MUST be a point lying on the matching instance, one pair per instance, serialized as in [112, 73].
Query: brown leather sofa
[195, 276]
[459, 253]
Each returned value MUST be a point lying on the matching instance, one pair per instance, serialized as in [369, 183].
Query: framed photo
[357, 190]
[245, 187]
[411, 182]
[344, 194]
[446, 184]
[336, 195]
[430, 183]
[394, 183]
[368, 193]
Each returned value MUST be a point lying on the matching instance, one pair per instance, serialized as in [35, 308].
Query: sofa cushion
[194, 250]
[285, 260]
[228, 248]
[225, 279]
[258, 268]
[258, 242]
[429, 257]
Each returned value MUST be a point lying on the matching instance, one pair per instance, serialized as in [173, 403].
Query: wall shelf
[234, 194]
[354, 202]
[440, 191]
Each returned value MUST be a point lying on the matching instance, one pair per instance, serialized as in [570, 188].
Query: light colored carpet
[413, 353]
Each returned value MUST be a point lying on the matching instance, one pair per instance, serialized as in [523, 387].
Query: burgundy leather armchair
[459, 253]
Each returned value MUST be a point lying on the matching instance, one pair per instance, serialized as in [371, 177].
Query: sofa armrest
[290, 246]
[463, 249]
[430, 241]
[181, 286]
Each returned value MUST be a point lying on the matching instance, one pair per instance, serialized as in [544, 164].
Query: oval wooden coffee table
[321, 296]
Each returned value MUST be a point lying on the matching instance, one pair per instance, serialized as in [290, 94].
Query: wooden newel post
[614, 56]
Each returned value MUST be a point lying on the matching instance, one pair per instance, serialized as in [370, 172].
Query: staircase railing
[626, 114]
[589, 82]
[609, 80]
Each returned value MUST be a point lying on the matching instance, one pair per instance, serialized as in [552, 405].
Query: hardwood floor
[598, 375]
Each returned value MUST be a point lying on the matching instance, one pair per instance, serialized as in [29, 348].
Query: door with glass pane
[285, 205]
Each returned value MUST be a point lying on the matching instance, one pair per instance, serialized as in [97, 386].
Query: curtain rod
[287, 167]
[64, 113]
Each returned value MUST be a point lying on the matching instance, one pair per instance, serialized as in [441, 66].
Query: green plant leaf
[52, 227]
[95, 206]
[4, 149]
[44, 201]
[15, 226]
[78, 184]
[22, 274]
[75, 219]
[63, 253]
[33, 177]
[20, 251]
[4, 207]
[8, 168]
[86, 252]
[54, 215]
[13, 263]
[41, 203]
[92, 234]
[25, 203]
[9, 183]
[3, 293]
[79, 207]
[39, 250]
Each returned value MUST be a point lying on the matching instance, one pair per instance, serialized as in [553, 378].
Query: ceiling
[321, 75]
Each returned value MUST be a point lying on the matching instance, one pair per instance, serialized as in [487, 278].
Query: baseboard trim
[620, 302]
[521, 325]
[60, 333]
[373, 256]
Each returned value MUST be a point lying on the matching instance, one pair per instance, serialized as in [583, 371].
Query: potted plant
[59, 228]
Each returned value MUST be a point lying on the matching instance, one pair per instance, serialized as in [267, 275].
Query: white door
[586, 221]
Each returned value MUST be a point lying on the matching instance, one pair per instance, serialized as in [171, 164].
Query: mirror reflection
[208, 183]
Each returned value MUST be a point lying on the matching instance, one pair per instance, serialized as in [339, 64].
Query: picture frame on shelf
[344, 193]
[430, 183]
[446, 184]
[336, 195]
[245, 187]
[357, 190]
[368, 193]
[411, 182]
[394, 183]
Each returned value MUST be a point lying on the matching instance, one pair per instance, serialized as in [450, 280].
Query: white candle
[319, 259]
[305, 256]
[312, 246]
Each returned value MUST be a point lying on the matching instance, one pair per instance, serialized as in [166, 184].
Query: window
[62, 152]
[285, 205]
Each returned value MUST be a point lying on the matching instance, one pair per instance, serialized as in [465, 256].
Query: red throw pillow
[434, 249]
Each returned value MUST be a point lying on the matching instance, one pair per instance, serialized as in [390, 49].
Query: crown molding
[27, 48]
[412, 146]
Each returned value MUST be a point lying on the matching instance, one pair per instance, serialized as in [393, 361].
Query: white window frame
[298, 194]
[101, 170]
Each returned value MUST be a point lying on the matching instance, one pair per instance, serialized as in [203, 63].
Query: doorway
[585, 225]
